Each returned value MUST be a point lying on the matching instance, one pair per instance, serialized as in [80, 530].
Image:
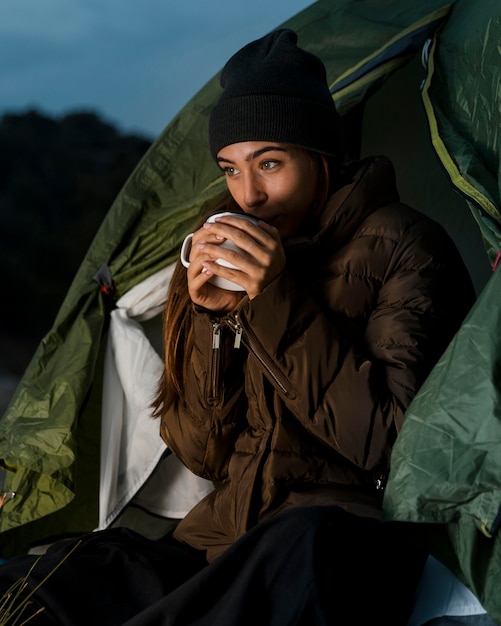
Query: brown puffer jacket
[296, 398]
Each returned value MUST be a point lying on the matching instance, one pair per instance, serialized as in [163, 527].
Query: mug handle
[185, 250]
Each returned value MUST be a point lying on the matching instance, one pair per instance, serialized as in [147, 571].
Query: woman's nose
[254, 194]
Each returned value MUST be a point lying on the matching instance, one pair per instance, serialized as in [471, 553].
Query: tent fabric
[447, 459]
[358, 82]
[440, 594]
[131, 448]
[463, 105]
[446, 462]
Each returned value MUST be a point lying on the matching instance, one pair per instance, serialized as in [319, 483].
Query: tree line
[58, 178]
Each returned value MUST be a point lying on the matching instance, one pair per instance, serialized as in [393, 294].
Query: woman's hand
[262, 259]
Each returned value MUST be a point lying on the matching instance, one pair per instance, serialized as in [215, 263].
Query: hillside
[58, 178]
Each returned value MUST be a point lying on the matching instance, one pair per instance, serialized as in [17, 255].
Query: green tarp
[446, 466]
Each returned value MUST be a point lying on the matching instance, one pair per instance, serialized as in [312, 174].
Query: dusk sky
[135, 63]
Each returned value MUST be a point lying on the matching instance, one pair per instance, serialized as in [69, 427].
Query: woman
[291, 392]
[349, 298]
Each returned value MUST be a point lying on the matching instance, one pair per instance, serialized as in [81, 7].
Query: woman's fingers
[205, 294]
[238, 250]
[259, 242]
[256, 252]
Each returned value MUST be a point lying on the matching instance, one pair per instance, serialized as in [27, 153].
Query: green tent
[417, 81]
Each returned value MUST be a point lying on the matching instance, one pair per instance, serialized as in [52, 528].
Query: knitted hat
[275, 91]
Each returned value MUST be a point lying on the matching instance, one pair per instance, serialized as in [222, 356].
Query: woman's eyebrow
[254, 155]
[261, 151]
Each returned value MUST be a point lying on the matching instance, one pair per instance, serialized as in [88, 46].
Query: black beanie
[275, 91]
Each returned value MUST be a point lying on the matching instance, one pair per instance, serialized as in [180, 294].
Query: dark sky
[134, 63]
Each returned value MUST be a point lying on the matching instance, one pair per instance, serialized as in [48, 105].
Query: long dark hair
[177, 328]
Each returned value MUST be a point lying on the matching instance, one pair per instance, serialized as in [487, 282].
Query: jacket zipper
[253, 346]
[214, 374]
[238, 336]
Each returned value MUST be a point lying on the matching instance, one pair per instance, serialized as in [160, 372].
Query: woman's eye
[230, 171]
[269, 165]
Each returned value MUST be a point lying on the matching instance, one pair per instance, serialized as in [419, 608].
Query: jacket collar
[371, 184]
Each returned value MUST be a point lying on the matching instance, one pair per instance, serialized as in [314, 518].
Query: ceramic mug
[218, 281]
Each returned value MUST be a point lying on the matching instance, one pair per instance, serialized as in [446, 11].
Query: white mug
[218, 281]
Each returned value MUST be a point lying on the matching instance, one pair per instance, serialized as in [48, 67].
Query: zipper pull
[216, 335]
[238, 336]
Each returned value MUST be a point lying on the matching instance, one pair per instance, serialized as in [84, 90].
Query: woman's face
[274, 182]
